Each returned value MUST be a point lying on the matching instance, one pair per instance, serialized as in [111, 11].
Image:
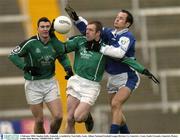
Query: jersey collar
[38, 38]
[115, 32]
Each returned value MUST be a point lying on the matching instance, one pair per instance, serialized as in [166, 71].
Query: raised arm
[79, 22]
[139, 68]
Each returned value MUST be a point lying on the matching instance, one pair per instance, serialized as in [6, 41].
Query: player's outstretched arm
[140, 68]
[151, 76]
[79, 22]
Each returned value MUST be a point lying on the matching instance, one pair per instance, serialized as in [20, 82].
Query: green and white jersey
[33, 52]
[87, 64]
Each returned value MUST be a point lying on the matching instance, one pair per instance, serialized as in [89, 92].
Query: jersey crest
[38, 50]
[16, 50]
[124, 43]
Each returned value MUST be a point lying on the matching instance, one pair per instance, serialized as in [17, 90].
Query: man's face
[43, 29]
[120, 21]
[91, 32]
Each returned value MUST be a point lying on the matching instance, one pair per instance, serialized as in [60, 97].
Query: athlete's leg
[89, 123]
[37, 111]
[117, 101]
[81, 112]
[123, 126]
[72, 104]
[55, 108]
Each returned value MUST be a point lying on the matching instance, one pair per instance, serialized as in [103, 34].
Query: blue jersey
[117, 39]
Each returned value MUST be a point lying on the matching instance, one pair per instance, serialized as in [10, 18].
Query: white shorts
[84, 90]
[39, 91]
[128, 79]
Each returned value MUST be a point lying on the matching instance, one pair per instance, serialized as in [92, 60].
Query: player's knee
[57, 117]
[70, 119]
[79, 118]
[115, 104]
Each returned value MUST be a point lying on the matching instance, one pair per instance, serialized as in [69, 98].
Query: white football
[62, 24]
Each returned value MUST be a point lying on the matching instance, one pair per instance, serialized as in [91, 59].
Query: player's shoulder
[107, 29]
[106, 33]
[76, 37]
[128, 34]
[28, 41]
[33, 38]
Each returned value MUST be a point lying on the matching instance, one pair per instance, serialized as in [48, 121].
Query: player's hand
[150, 76]
[51, 30]
[34, 71]
[71, 12]
[69, 73]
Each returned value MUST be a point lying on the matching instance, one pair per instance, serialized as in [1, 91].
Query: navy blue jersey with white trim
[123, 39]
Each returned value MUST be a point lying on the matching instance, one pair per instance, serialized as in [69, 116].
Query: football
[62, 24]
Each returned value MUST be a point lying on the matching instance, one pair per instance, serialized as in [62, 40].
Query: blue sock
[124, 129]
[114, 129]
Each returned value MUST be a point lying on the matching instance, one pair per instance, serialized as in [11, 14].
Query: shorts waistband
[42, 80]
[86, 80]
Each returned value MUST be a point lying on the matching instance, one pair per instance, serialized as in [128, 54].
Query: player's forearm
[58, 45]
[81, 25]
[15, 59]
[112, 51]
[134, 64]
[64, 61]
[71, 45]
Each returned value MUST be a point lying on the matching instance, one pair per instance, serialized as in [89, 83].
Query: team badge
[124, 43]
[38, 50]
[16, 50]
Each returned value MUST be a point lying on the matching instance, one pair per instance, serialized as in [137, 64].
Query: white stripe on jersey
[98, 67]
[18, 49]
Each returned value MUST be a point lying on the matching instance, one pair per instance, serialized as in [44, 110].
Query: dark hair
[45, 19]
[98, 25]
[129, 17]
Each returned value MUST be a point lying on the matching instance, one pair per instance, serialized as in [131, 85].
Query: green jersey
[33, 52]
[87, 64]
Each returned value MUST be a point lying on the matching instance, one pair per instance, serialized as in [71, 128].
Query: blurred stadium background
[151, 108]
